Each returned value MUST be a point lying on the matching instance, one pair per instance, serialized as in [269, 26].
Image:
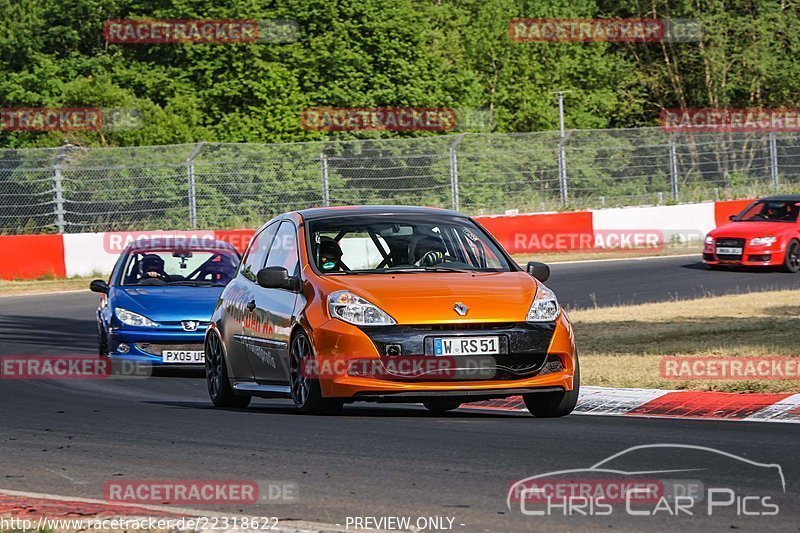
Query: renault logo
[461, 309]
[190, 325]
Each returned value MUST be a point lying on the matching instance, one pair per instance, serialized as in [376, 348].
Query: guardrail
[85, 254]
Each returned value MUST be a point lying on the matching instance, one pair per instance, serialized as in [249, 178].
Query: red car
[767, 233]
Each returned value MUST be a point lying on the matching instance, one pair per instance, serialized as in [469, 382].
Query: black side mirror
[538, 270]
[276, 277]
[98, 285]
[732, 217]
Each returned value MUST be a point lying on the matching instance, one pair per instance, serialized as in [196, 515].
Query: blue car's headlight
[130, 318]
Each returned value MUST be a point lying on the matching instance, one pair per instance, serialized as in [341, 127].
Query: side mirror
[538, 270]
[732, 217]
[98, 285]
[277, 277]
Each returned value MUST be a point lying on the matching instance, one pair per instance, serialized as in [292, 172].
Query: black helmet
[330, 253]
[151, 263]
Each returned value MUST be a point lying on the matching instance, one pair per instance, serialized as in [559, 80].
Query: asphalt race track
[72, 437]
[632, 281]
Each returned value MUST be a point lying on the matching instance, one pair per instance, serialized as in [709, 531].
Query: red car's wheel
[792, 261]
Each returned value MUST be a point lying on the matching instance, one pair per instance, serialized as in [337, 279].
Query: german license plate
[183, 356]
[444, 346]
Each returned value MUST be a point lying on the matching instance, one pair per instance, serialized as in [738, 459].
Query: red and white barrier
[31, 256]
[705, 405]
[85, 254]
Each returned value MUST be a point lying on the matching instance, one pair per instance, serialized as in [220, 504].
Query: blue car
[158, 301]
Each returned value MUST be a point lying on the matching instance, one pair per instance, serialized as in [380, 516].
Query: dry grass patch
[622, 346]
[11, 288]
[590, 255]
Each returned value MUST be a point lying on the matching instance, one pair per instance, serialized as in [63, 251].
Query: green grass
[623, 346]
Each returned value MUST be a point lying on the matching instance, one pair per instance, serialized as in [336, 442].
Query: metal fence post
[58, 187]
[673, 168]
[454, 171]
[192, 187]
[773, 160]
[326, 191]
[563, 187]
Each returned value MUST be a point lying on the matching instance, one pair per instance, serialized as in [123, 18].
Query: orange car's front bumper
[337, 344]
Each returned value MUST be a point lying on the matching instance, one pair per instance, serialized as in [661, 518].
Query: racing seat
[217, 270]
[330, 255]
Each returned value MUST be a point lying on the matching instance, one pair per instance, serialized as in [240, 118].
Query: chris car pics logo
[654, 480]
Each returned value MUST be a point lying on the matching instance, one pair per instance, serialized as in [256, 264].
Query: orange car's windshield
[388, 243]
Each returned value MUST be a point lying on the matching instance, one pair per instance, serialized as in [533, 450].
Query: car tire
[102, 343]
[219, 386]
[441, 406]
[791, 263]
[306, 391]
[555, 404]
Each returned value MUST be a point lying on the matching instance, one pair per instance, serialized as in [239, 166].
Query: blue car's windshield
[174, 267]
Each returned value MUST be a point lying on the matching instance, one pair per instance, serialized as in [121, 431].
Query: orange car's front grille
[467, 326]
[518, 339]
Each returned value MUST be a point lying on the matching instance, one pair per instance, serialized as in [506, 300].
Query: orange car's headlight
[545, 306]
[346, 306]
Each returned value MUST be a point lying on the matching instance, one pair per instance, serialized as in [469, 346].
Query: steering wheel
[153, 281]
[433, 258]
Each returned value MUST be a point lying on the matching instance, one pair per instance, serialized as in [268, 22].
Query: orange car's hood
[427, 298]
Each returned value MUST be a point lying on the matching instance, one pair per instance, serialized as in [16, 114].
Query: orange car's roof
[326, 212]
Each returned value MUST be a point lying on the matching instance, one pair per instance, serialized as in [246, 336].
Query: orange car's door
[270, 362]
[242, 325]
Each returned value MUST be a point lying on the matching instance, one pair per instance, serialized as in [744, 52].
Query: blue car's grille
[155, 348]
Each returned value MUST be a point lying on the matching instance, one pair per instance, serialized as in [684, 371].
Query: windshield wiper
[405, 270]
[446, 269]
[190, 283]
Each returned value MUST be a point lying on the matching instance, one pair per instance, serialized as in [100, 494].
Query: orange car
[388, 304]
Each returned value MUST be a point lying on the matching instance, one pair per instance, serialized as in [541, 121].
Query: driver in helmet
[429, 251]
[152, 267]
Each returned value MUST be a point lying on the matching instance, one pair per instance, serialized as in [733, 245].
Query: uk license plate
[444, 346]
[183, 356]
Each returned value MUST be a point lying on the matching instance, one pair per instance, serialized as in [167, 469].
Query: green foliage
[369, 53]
